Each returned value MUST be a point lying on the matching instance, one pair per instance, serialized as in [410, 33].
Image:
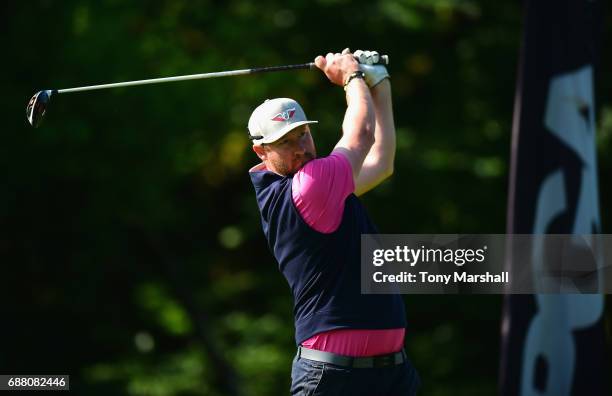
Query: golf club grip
[383, 60]
[302, 66]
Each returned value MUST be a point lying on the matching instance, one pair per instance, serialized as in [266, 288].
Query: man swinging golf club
[348, 343]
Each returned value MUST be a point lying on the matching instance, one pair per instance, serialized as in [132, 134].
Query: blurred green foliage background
[131, 249]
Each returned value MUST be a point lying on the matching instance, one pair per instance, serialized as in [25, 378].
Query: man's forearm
[378, 164]
[383, 150]
[358, 125]
[359, 118]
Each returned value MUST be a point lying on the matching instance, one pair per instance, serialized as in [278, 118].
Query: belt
[392, 359]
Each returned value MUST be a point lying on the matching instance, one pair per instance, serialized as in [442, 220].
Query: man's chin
[302, 163]
[297, 167]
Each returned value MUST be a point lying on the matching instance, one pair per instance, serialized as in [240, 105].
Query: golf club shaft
[384, 60]
[190, 77]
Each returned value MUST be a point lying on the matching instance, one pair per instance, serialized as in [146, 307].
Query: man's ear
[261, 152]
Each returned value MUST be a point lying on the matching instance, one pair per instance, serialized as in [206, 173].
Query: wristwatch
[353, 75]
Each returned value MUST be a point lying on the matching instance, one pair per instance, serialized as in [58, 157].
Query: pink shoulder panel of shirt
[319, 190]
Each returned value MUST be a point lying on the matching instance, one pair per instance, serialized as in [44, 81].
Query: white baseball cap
[274, 118]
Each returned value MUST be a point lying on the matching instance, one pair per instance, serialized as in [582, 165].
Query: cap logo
[285, 115]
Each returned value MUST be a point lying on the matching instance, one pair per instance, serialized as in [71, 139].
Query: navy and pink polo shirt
[313, 223]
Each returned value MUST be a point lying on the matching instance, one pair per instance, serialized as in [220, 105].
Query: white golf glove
[374, 74]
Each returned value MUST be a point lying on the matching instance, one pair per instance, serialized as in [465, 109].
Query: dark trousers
[309, 377]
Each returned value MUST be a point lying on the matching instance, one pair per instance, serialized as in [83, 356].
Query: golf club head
[37, 106]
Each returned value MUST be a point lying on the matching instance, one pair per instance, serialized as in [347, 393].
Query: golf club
[38, 104]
